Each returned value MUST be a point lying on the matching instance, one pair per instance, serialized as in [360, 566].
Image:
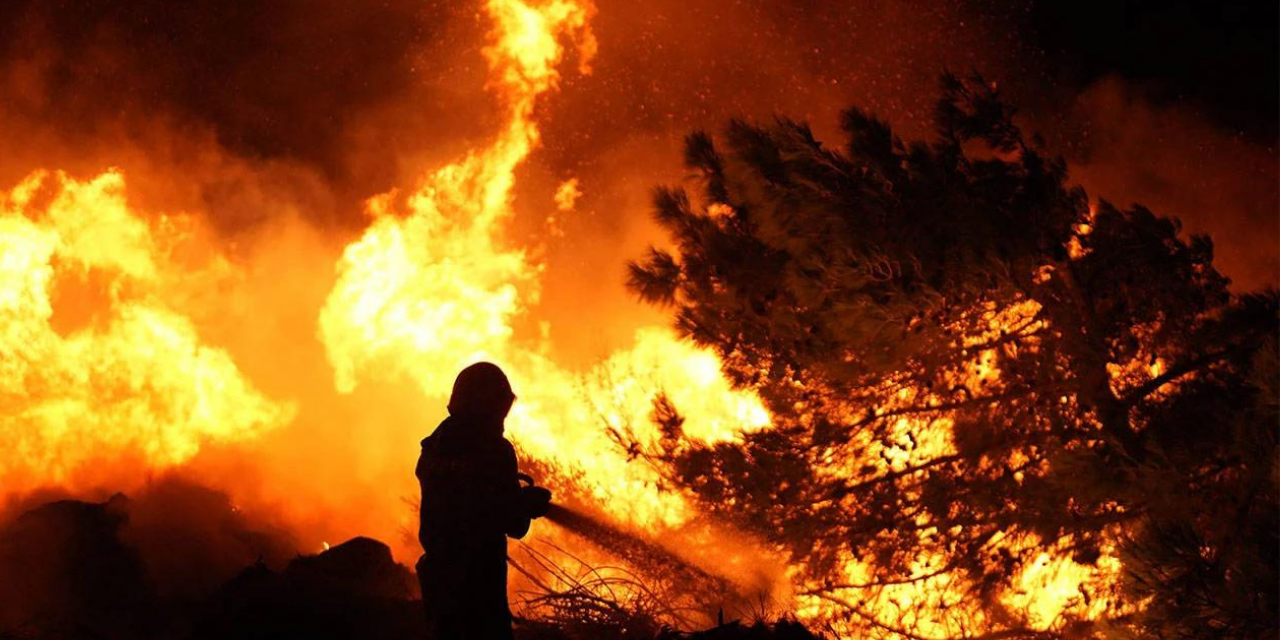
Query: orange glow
[120, 341]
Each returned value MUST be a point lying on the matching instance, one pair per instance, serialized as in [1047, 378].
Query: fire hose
[644, 554]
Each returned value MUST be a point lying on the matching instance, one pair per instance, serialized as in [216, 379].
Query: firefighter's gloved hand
[535, 501]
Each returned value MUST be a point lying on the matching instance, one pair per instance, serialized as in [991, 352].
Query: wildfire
[96, 360]
[102, 355]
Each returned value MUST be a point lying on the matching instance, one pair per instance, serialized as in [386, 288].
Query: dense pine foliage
[969, 366]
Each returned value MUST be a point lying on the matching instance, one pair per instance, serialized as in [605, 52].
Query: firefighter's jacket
[470, 503]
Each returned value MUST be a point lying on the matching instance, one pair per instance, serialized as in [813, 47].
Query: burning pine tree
[999, 411]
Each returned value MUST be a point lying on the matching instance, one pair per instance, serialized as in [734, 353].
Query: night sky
[1220, 57]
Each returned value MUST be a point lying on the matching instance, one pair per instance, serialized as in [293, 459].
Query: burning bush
[999, 408]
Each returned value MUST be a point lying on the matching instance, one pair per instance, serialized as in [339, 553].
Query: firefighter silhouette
[472, 499]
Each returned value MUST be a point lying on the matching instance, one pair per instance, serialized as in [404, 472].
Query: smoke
[286, 107]
[237, 111]
[1126, 148]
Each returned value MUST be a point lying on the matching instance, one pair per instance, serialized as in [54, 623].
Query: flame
[431, 287]
[135, 379]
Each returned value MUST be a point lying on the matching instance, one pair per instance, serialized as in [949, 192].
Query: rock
[352, 591]
[359, 567]
[65, 573]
